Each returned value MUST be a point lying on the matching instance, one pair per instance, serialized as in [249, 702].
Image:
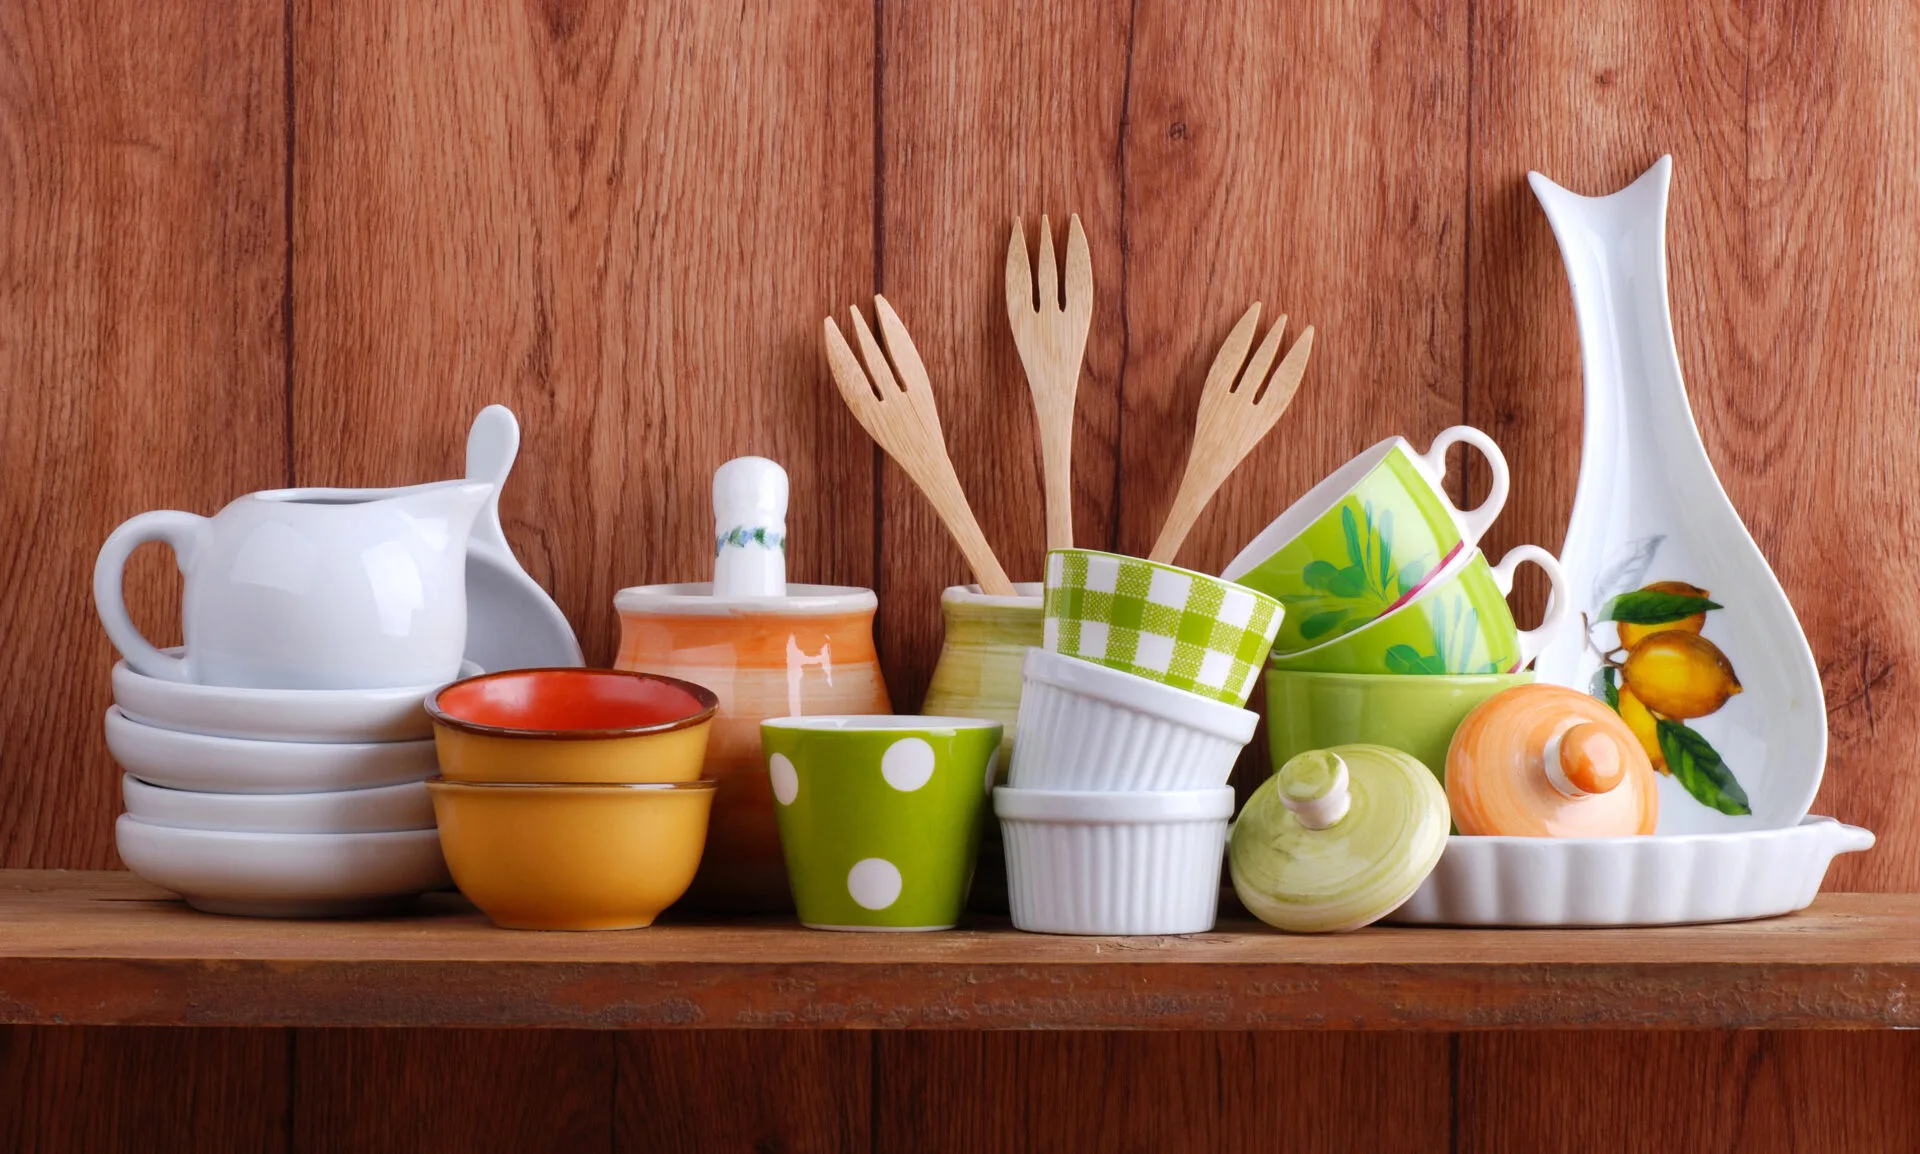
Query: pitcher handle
[1477, 520]
[1532, 641]
[182, 532]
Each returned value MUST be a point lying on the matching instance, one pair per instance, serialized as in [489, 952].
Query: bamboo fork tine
[1238, 405]
[1050, 330]
[1046, 274]
[1256, 370]
[901, 417]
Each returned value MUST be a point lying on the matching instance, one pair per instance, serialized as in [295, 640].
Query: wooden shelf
[108, 949]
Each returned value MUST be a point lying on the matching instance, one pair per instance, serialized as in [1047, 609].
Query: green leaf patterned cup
[1166, 624]
[880, 816]
[1458, 623]
[1366, 539]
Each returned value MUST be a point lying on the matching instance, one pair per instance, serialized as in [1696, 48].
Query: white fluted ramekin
[1086, 727]
[1113, 863]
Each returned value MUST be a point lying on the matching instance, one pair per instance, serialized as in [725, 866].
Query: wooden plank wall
[270, 242]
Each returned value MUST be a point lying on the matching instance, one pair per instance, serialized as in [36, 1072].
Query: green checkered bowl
[1166, 624]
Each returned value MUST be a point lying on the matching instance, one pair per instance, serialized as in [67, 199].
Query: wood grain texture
[992, 111]
[1756, 1093]
[142, 276]
[1198, 1092]
[405, 1090]
[104, 949]
[622, 221]
[732, 1091]
[67, 1090]
[1792, 262]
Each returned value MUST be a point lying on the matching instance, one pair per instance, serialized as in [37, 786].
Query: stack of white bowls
[1131, 718]
[276, 766]
[276, 802]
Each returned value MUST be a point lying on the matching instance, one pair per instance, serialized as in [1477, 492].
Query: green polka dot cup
[880, 816]
[1169, 625]
[1368, 538]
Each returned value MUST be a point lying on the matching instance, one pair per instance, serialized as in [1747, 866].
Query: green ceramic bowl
[1180, 628]
[1459, 623]
[880, 816]
[1415, 715]
[1367, 538]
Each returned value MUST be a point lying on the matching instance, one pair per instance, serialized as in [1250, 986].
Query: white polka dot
[908, 764]
[786, 781]
[993, 767]
[874, 882]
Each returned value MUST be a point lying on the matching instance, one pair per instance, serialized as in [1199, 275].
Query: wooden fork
[1052, 340]
[1235, 413]
[901, 418]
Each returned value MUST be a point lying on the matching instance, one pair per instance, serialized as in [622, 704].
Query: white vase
[1649, 509]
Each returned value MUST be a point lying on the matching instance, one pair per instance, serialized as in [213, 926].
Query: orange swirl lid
[1547, 761]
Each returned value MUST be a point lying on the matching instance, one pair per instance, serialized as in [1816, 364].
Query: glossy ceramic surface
[1094, 728]
[197, 762]
[571, 726]
[1366, 538]
[511, 621]
[1184, 629]
[284, 875]
[1630, 881]
[985, 644]
[750, 528]
[1547, 761]
[319, 716]
[372, 810]
[1649, 512]
[1458, 623]
[308, 588]
[1113, 863]
[809, 653]
[1416, 715]
[572, 857]
[880, 817]
[1336, 839]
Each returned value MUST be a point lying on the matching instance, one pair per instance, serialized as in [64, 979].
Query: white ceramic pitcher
[308, 588]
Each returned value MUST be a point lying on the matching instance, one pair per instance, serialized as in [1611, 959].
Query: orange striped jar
[807, 653]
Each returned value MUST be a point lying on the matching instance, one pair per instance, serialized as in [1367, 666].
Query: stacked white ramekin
[1115, 818]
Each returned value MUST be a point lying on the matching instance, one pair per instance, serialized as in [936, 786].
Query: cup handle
[182, 532]
[1479, 519]
[1532, 641]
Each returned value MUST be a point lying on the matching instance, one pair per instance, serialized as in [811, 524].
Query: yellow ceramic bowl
[571, 726]
[572, 857]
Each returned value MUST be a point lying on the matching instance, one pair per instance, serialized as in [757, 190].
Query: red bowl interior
[550, 700]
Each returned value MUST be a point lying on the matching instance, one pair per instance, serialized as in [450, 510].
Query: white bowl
[1113, 863]
[319, 715]
[284, 875]
[179, 760]
[1661, 880]
[1086, 727]
[387, 807]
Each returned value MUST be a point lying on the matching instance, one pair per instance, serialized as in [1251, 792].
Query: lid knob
[750, 529]
[1584, 760]
[1313, 787]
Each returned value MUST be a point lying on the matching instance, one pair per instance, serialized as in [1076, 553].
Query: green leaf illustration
[1405, 659]
[1350, 582]
[1696, 765]
[1411, 574]
[1318, 574]
[1352, 530]
[1386, 549]
[1606, 686]
[1321, 624]
[1652, 607]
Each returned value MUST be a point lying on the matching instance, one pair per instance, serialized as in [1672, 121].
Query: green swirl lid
[1338, 838]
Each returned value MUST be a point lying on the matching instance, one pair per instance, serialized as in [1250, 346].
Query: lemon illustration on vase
[1664, 673]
